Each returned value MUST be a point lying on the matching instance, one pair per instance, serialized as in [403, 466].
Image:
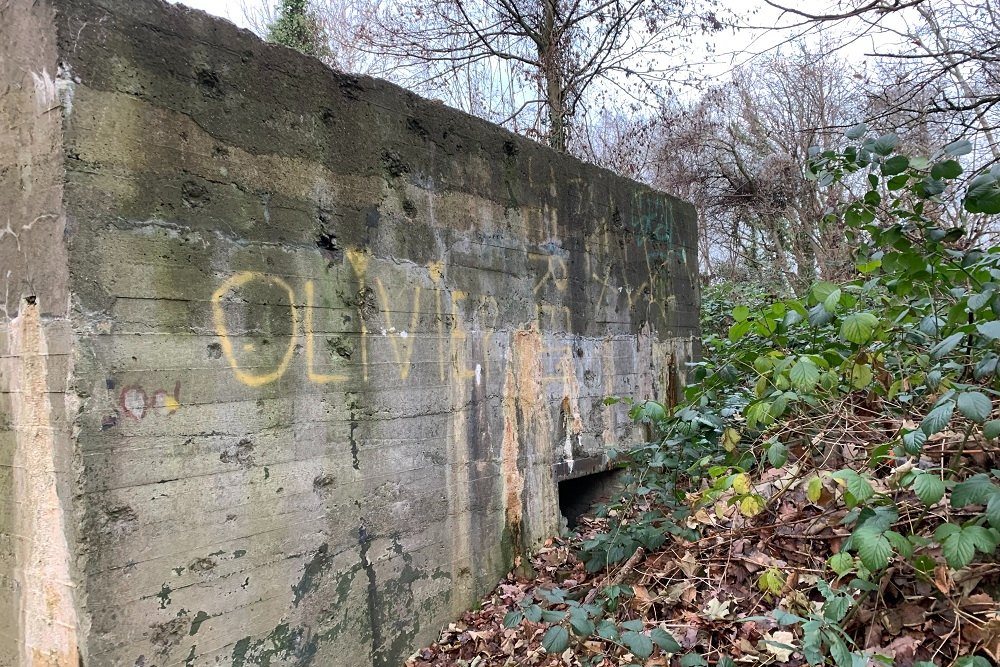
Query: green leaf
[975, 405]
[533, 613]
[946, 169]
[958, 548]
[937, 418]
[873, 548]
[930, 187]
[885, 144]
[818, 315]
[928, 487]
[804, 374]
[725, 661]
[899, 543]
[980, 299]
[841, 563]
[976, 490]
[981, 538]
[513, 619]
[970, 661]
[898, 182]
[957, 148]
[858, 327]
[838, 650]
[946, 345]
[777, 454]
[831, 301]
[857, 131]
[741, 313]
[739, 330]
[782, 617]
[759, 414]
[983, 195]
[822, 290]
[989, 329]
[556, 639]
[897, 164]
[861, 376]
[665, 640]
[607, 630]
[992, 429]
[580, 622]
[693, 660]
[913, 441]
[993, 510]
[550, 616]
[836, 608]
[857, 486]
[638, 643]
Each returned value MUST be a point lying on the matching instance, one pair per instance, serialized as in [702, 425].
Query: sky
[227, 9]
[235, 10]
[731, 49]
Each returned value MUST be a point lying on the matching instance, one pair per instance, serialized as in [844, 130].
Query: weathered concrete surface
[291, 360]
[38, 615]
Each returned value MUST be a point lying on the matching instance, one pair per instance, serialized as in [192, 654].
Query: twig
[619, 575]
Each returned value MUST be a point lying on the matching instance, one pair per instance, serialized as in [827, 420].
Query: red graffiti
[137, 404]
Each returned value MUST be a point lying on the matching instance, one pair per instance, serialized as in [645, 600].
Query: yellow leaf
[741, 483]
[815, 489]
[751, 506]
[771, 581]
[730, 438]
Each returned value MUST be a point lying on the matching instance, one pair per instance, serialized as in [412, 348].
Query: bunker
[292, 362]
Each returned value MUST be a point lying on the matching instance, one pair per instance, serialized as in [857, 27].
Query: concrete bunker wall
[291, 361]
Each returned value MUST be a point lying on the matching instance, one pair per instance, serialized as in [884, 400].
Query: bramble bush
[876, 396]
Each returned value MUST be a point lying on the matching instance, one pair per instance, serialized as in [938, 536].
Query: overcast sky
[227, 9]
[730, 49]
[234, 10]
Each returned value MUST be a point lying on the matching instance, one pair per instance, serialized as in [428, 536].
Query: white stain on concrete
[45, 90]
[65, 87]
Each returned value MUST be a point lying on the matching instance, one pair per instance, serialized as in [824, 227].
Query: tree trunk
[548, 56]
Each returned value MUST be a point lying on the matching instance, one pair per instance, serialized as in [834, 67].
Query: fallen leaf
[715, 610]
[689, 566]
[780, 644]
[942, 579]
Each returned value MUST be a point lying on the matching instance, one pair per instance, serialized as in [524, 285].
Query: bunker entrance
[578, 495]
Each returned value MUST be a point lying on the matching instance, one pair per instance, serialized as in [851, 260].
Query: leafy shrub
[849, 386]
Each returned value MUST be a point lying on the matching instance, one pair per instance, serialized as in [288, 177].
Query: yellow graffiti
[560, 318]
[234, 283]
[556, 265]
[318, 378]
[359, 262]
[402, 347]
[436, 271]
[458, 337]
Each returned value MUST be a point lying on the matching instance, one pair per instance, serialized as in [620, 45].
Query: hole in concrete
[578, 495]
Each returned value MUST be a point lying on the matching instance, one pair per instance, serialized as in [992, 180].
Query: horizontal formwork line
[241, 472]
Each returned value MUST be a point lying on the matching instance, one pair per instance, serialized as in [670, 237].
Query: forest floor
[717, 596]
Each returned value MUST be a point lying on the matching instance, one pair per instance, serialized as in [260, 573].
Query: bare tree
[739, 153]
[944, 54]
[537, 60]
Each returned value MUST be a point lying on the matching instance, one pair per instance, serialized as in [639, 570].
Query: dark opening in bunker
[578, 495]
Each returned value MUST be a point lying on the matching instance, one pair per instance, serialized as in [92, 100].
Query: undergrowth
[828, 491]
[862, 416]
